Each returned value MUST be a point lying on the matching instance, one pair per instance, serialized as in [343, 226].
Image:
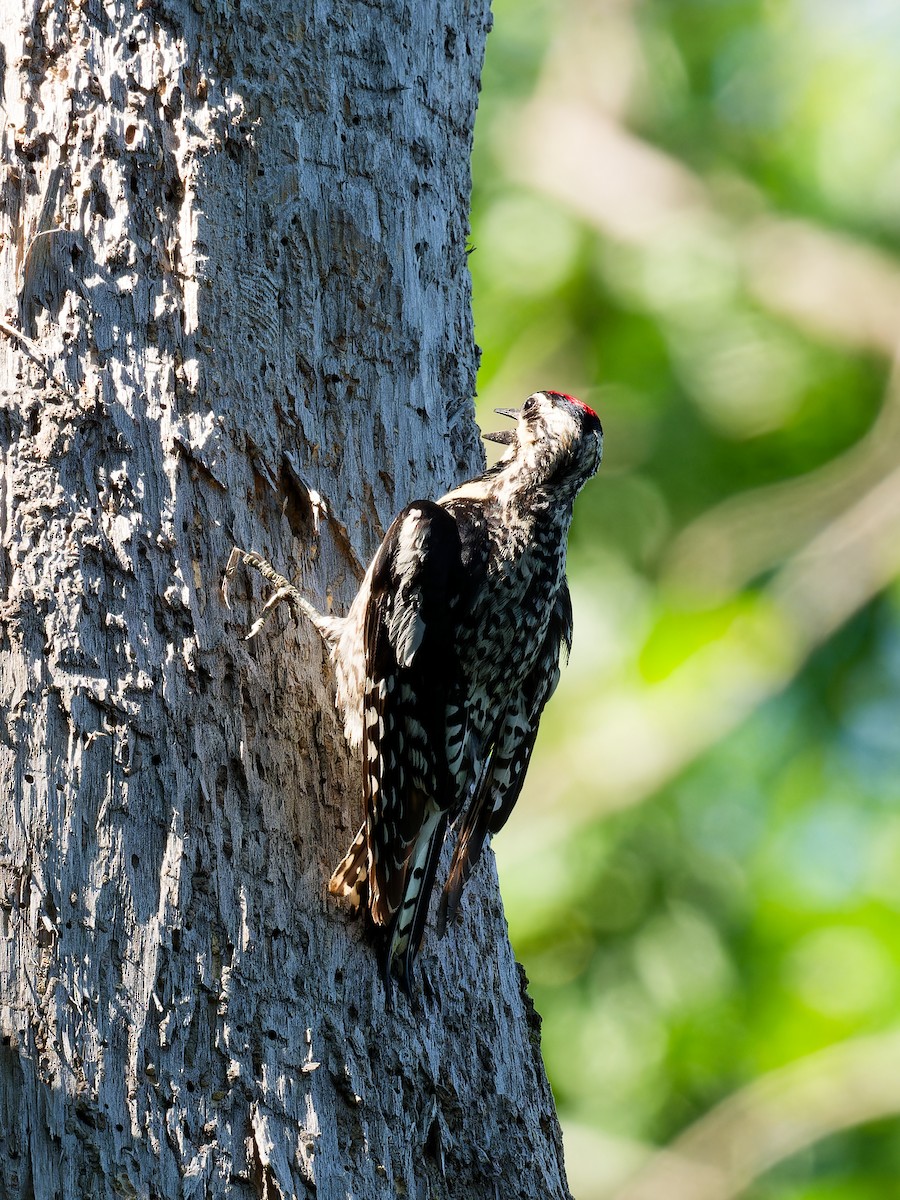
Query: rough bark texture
[235, 233]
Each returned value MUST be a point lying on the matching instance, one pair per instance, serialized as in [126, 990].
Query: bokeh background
[687, 212]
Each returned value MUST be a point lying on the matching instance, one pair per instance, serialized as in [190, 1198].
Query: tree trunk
[233, 273]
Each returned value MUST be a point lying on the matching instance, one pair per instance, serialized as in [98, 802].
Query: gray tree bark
[233, 281]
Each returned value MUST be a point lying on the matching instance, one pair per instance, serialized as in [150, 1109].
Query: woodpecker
[444, 663]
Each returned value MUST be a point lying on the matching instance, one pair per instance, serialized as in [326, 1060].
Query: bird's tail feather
[469, 845]
[352, 873]
[470, 838]
[408, 926]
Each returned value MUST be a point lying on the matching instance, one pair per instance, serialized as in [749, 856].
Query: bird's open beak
[504, 436]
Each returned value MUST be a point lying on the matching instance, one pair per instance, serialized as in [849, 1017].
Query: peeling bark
[233, 276]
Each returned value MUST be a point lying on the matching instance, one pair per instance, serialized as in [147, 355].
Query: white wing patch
[406, 627]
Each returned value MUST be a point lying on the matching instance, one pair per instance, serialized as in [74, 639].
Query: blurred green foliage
[693, 924]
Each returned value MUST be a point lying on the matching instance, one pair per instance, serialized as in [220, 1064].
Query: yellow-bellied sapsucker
[445, 661]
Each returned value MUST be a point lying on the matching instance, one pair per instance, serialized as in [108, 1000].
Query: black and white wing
[411, 671]
[504, 774]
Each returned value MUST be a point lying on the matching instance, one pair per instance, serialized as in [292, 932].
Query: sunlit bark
[233, 273]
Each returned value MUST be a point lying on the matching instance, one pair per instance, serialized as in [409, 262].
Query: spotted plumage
[445, 661]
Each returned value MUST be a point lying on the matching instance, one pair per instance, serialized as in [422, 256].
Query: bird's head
[557, 440]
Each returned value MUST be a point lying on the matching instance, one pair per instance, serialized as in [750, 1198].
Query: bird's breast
[501, 634]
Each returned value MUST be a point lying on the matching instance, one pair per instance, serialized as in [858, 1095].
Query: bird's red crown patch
[575, 400]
